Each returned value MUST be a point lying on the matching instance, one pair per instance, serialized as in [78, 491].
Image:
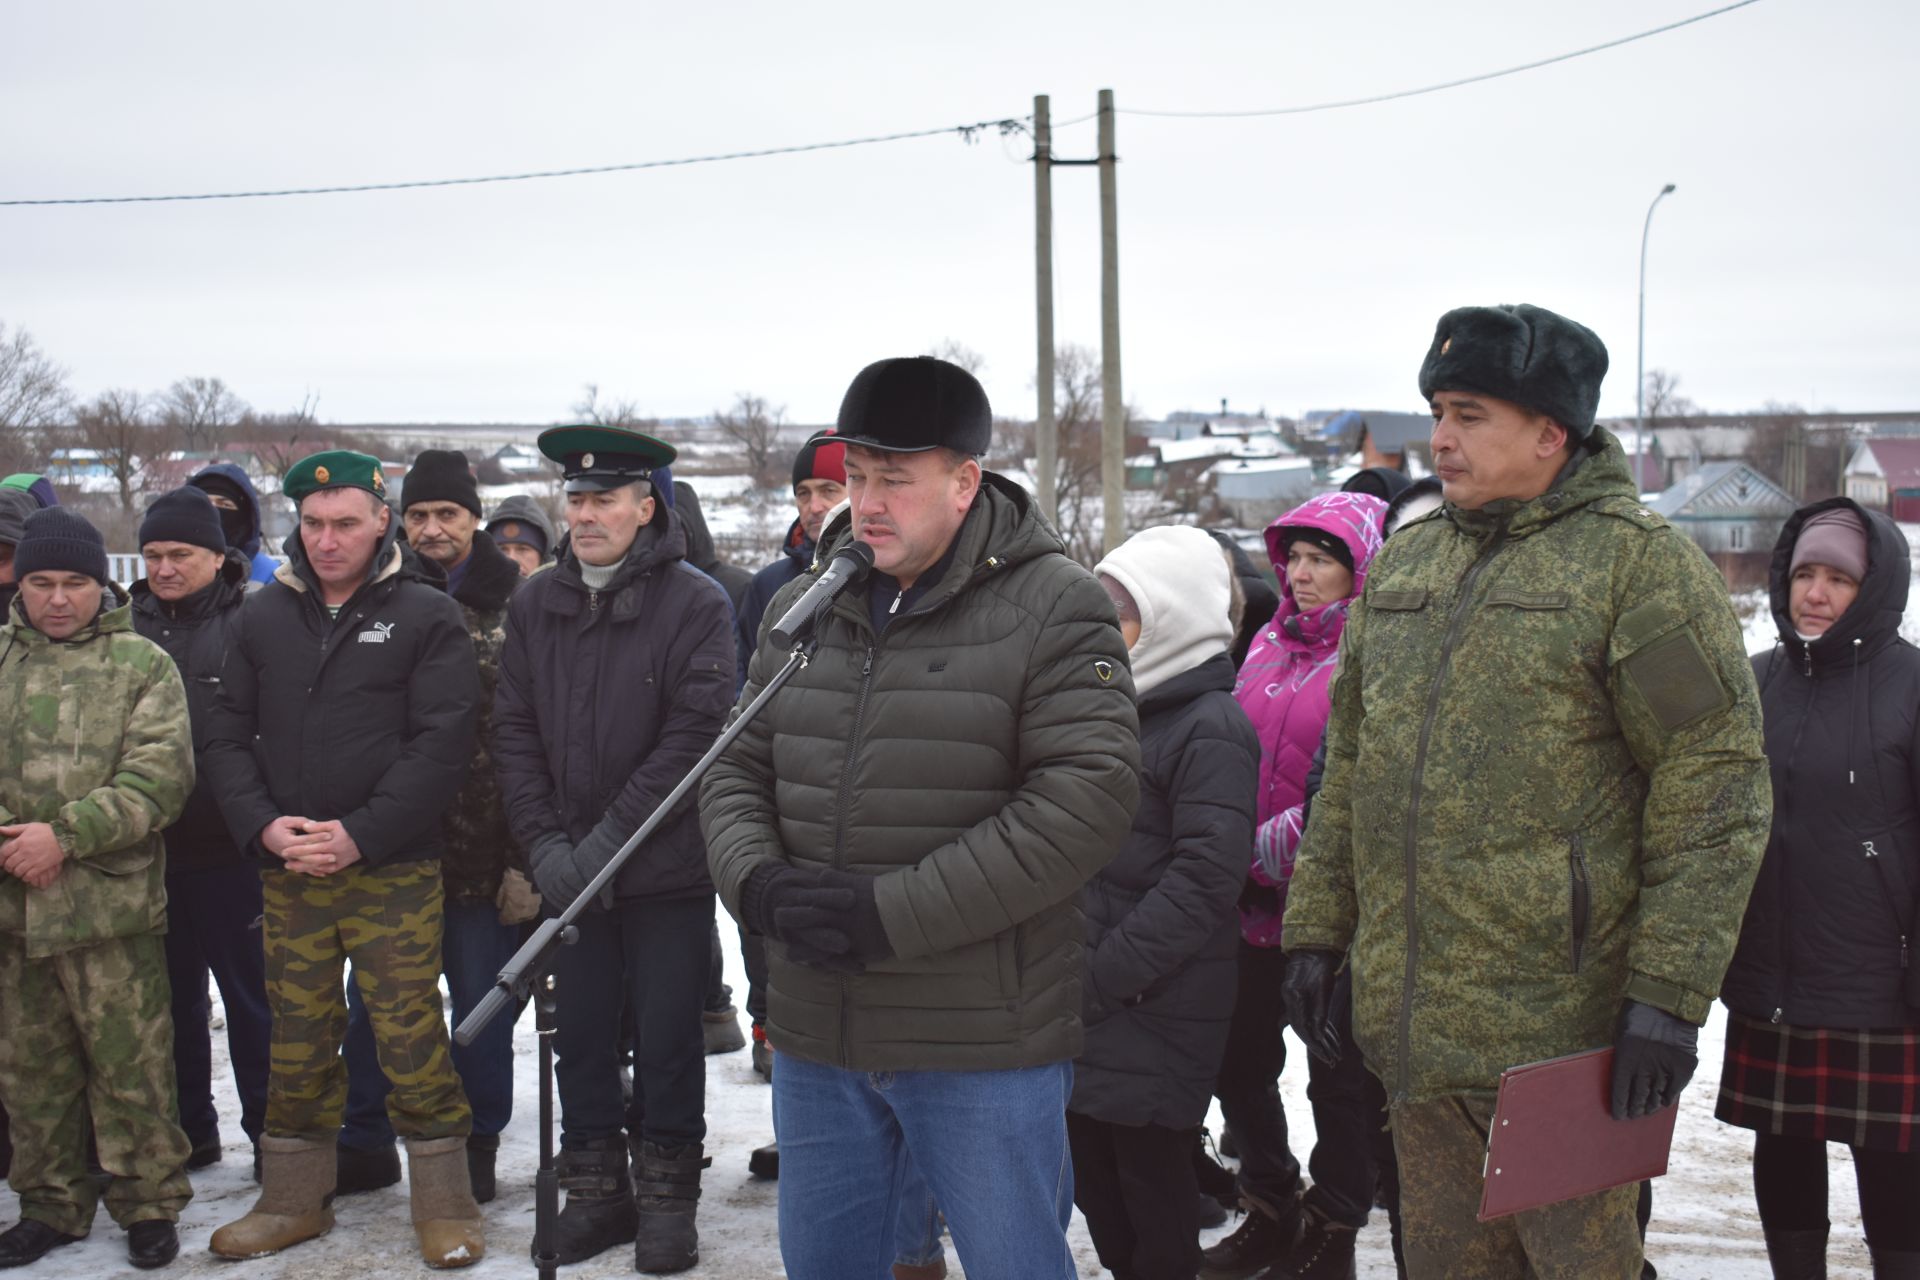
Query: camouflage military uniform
[388, 921]
[94, 739]
[1545, 791]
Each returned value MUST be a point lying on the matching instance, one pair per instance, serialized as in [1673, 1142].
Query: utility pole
[1046, 432]
[1113, 415]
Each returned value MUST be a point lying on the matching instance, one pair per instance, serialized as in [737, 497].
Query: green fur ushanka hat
[1523, 353]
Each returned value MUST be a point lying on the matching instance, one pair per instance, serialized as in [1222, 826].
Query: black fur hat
[1526, 354]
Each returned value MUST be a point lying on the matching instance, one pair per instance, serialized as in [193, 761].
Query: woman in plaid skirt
[1824, 1040]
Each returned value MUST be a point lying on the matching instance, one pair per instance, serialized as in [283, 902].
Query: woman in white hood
[1161, 927]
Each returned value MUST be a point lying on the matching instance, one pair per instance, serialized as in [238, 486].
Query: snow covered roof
[1391, 432]
[1724, 491]
[1898, 460]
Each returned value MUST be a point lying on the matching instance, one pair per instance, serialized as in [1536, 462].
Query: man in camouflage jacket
[1545, 798]
[96, 757]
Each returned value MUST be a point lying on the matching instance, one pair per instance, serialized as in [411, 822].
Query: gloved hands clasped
[1308, 992]
[562, 870]
[828, 919]
[1654, 1054]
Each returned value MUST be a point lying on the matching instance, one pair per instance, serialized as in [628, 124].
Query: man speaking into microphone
[908, 823]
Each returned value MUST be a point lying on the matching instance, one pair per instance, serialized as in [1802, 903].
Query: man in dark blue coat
[615, 677]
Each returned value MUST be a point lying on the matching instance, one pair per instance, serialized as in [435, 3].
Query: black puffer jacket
[196, 633]
[1822, 945]
[980, 759]
[607, 698]
[1161, 927]
[702, 554]
[367, 717]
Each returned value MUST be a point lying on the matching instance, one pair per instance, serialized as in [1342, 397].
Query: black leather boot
[152, 1244]
[666, 1189]
[31, 1240]
[1798, 1255]
[358, 1169]
[599, 1212]
[482, 1149]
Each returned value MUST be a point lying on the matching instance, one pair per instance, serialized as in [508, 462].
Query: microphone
[847, 568]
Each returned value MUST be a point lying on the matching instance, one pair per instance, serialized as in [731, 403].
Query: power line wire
[967, 132]
[1414, 93]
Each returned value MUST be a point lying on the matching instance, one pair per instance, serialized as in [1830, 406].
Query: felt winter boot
[295, 1204]
[666, 1187]
[445, 1218]
[1798, 1255]
[599, 1212]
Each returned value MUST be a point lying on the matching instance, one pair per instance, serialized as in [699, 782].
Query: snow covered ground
[1703, 1224]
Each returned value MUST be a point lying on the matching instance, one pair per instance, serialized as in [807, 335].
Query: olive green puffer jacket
[1545, 788]
[980, 758]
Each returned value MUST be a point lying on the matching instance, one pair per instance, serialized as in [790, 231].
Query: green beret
[1525, 354]
[595, 457]
[335, 469]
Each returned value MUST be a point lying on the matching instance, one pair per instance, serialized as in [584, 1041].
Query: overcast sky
[1287, 263]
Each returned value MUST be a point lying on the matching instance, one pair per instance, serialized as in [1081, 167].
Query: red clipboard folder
[1554, 1137]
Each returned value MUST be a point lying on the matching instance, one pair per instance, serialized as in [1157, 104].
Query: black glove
[1654, 1054]
[562, 870]
[768, 889]
[1308, 992]
[834, 924]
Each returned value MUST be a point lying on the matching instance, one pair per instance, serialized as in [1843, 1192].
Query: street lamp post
[1640, 370]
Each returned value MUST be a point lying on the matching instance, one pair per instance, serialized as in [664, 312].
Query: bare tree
[954, 351]
[1077, 412]
[118, 431]
[754, 426]
[281, 439]
[609, 413]
[1663, 401]
[199, 409]
[33, 396]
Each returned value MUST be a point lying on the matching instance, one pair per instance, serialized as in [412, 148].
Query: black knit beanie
[1331, 543]
[184, 515]
[60, 540]
[441, 475]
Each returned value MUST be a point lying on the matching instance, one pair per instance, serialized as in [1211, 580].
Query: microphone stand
[527, 974]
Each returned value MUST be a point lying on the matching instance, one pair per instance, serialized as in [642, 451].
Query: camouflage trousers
[387, 920]
[89, 1032]
[1442, 1147]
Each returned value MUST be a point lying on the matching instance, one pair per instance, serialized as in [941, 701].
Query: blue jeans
[991, 1145]
[474, 946]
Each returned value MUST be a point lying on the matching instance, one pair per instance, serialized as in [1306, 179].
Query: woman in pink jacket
[1321, 550]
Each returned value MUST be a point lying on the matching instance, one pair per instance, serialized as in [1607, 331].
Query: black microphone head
[862, 555]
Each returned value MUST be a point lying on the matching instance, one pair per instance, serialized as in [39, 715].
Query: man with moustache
[343, 730]
[615, 678]
[189, 605]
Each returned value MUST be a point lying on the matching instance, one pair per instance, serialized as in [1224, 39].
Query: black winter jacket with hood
[980, 759]
[197, 634]
[607, 698]
[1829, 927]
[367, 717]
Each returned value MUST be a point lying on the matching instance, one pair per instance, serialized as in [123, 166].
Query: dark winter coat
[1161, 927]
[1830, 924]
[796, 554]
[1262, 601]
[197, 632]
[367, 717]
[701, 552]
[479, 848]
[260, 565]
[607, 698]
[980, 759]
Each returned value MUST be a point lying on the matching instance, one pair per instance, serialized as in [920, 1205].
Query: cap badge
[379, 480]
[1103, 669]
[1446, 346]
[586, 460]
[509, 530]
[321, 475]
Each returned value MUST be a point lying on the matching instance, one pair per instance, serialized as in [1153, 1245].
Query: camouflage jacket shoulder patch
[1633, 512]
